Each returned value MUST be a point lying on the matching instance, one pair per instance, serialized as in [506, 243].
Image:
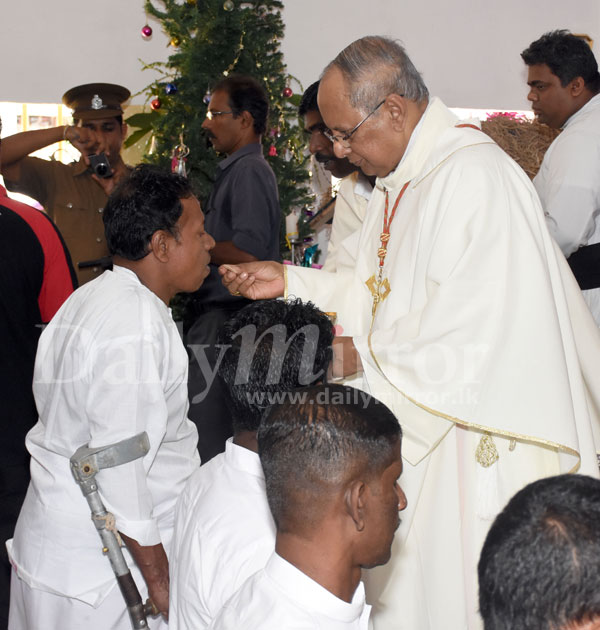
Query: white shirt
[568, 184]
[224, 532]
[109, 365]
[350, 207]
[281, 597]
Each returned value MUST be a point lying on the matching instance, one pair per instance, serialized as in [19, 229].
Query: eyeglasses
[211, 113]
[344, 140]
[318, 128]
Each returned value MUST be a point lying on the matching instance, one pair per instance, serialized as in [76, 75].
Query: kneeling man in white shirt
[331, 460]
[224, 531]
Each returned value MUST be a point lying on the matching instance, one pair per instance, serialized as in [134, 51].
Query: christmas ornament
[272, 150]
[179, 157]
[174, 42]
[206, 97]
[228, 5]
[287, 92]
[258, 64]
[170, 89]
[146, 31]
[274, 132]
[155, 104]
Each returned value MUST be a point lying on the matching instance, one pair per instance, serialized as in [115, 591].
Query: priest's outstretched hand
[259, 280]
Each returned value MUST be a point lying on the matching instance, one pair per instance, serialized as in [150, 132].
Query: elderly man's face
[374, 147]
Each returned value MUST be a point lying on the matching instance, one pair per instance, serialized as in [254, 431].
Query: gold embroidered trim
[513, 437]
[479, 427]
[486, 453]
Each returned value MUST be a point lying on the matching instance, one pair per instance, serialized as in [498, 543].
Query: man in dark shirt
[243, 216]
[36, 277]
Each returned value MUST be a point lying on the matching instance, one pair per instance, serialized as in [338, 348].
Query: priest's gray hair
[375, 67]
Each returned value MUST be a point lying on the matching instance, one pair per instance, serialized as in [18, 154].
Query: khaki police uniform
[67, 191]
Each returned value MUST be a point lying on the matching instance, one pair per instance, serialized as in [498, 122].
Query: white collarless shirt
[281, 597]
[224, 532]
[109, 365]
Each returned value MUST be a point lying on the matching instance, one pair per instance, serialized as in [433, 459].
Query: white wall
[467, 50]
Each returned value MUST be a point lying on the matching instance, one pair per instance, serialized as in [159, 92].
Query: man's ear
[355, 500]
[247, 120]
[160, 245]
[396, 106]
[577, 86]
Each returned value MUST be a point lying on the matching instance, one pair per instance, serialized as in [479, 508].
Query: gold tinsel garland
[524, 140]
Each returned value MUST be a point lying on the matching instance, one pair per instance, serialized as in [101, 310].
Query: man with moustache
[355, 188]
[460, 314]
[243, 216]
[72, 194]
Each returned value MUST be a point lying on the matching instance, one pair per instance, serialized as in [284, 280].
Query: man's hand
[108, 184]
[86, 141]
[256, 280]
[346, 360]
[152, 562]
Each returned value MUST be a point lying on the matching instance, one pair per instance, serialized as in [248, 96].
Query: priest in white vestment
[459, 313]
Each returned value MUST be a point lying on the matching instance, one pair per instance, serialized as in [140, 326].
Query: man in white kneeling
[331, 461]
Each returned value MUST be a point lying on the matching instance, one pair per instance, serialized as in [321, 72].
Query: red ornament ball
[146, 31]
[287, 92]
[272, 150]
[155, 104]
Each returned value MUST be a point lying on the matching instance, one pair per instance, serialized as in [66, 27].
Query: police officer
[74, 194]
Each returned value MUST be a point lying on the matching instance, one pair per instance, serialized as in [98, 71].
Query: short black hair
[309, 99]
[147, 200]
[567, 56]
[539, 565]
[315, 440]
[275, 346]
[246, 94]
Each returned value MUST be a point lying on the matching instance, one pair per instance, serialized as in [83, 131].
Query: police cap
[96, 100]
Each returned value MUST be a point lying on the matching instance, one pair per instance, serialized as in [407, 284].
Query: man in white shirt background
[224, 531]
[331, 460]
[110, 365]
[355, 188]
[565, 94]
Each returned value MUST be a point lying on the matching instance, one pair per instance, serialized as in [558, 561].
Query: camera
[100, 165]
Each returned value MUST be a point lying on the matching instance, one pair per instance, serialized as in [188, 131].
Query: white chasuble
[483, 347]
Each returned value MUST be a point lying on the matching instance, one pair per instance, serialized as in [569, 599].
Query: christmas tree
[212, 39]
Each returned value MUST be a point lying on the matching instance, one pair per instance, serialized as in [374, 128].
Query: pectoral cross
[379, 289]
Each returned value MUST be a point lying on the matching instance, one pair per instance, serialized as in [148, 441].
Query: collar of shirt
[243, 459]
[130, 276]
[254, 148]
[312, 596]
[363, 186]
[591, 104]
[80, 168]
